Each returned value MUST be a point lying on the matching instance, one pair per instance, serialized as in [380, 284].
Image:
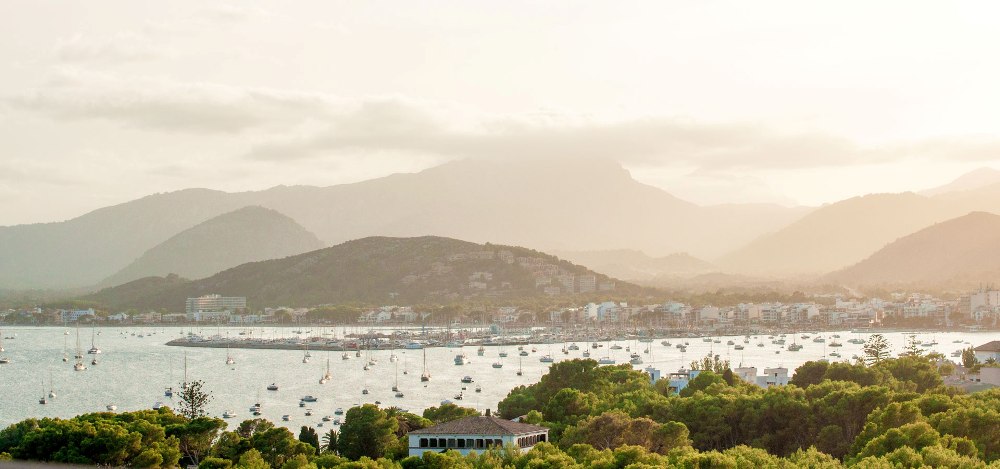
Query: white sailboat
[78, 366]
[395, 385]
[93, 346]
[229, 358]
[326, 377]
[184, 385]
[169, 390]
[52, 389]
[426, 375]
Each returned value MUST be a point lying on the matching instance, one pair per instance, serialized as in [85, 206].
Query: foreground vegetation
[887, 413]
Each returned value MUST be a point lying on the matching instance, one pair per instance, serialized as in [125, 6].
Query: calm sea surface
[132, 372]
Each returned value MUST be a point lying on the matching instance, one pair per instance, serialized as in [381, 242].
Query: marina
[133, 373]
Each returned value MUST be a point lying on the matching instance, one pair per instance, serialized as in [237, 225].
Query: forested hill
[379, 270]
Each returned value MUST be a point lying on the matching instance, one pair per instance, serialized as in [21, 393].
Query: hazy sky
[791, 102]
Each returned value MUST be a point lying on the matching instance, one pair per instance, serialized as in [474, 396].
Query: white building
[475, 434]
[771, 376]
[680, 379]
[120, 317]
[75, 315]
[216, 304]
[987, 351]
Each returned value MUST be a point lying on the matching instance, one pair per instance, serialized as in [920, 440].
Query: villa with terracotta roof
[477, 433]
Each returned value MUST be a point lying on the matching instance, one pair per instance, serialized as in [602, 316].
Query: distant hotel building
[210, 307]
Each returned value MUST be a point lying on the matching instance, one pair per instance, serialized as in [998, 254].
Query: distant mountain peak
[251, 233]
[975, 179]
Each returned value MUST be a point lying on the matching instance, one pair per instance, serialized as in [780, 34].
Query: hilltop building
[475, 434]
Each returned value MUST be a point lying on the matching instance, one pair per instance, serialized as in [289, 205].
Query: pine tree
[309, 436]
[876, 349]
[194, 400]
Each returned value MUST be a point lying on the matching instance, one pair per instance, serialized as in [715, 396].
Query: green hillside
[376, 270]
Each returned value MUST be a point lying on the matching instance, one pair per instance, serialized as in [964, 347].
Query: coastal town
[976, 310]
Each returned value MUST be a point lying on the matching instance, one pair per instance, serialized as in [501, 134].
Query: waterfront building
[215, 304]
[475, 434]
[76, 315]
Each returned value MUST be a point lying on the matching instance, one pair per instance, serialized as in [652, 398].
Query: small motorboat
[272, 387]
[111, 407]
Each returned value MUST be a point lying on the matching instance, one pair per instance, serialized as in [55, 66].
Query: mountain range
[961, 252]
[380, 270]
[563, 205]
[838, 235]
[556, 203]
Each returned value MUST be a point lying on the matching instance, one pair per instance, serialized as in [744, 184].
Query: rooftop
[993, 346]
[480, 425]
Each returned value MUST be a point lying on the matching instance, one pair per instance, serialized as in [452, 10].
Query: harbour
[137, 365]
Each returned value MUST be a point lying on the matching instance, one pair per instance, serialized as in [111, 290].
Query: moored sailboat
[426, 375]
[326, 377]
[78, 366]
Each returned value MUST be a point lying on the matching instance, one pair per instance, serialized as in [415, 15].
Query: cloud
[285, 125]
[393, 126]
[164, 105]
[233, 13]
[20, 172]
[125, 47]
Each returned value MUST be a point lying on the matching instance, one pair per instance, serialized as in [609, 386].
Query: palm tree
[329, 443]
